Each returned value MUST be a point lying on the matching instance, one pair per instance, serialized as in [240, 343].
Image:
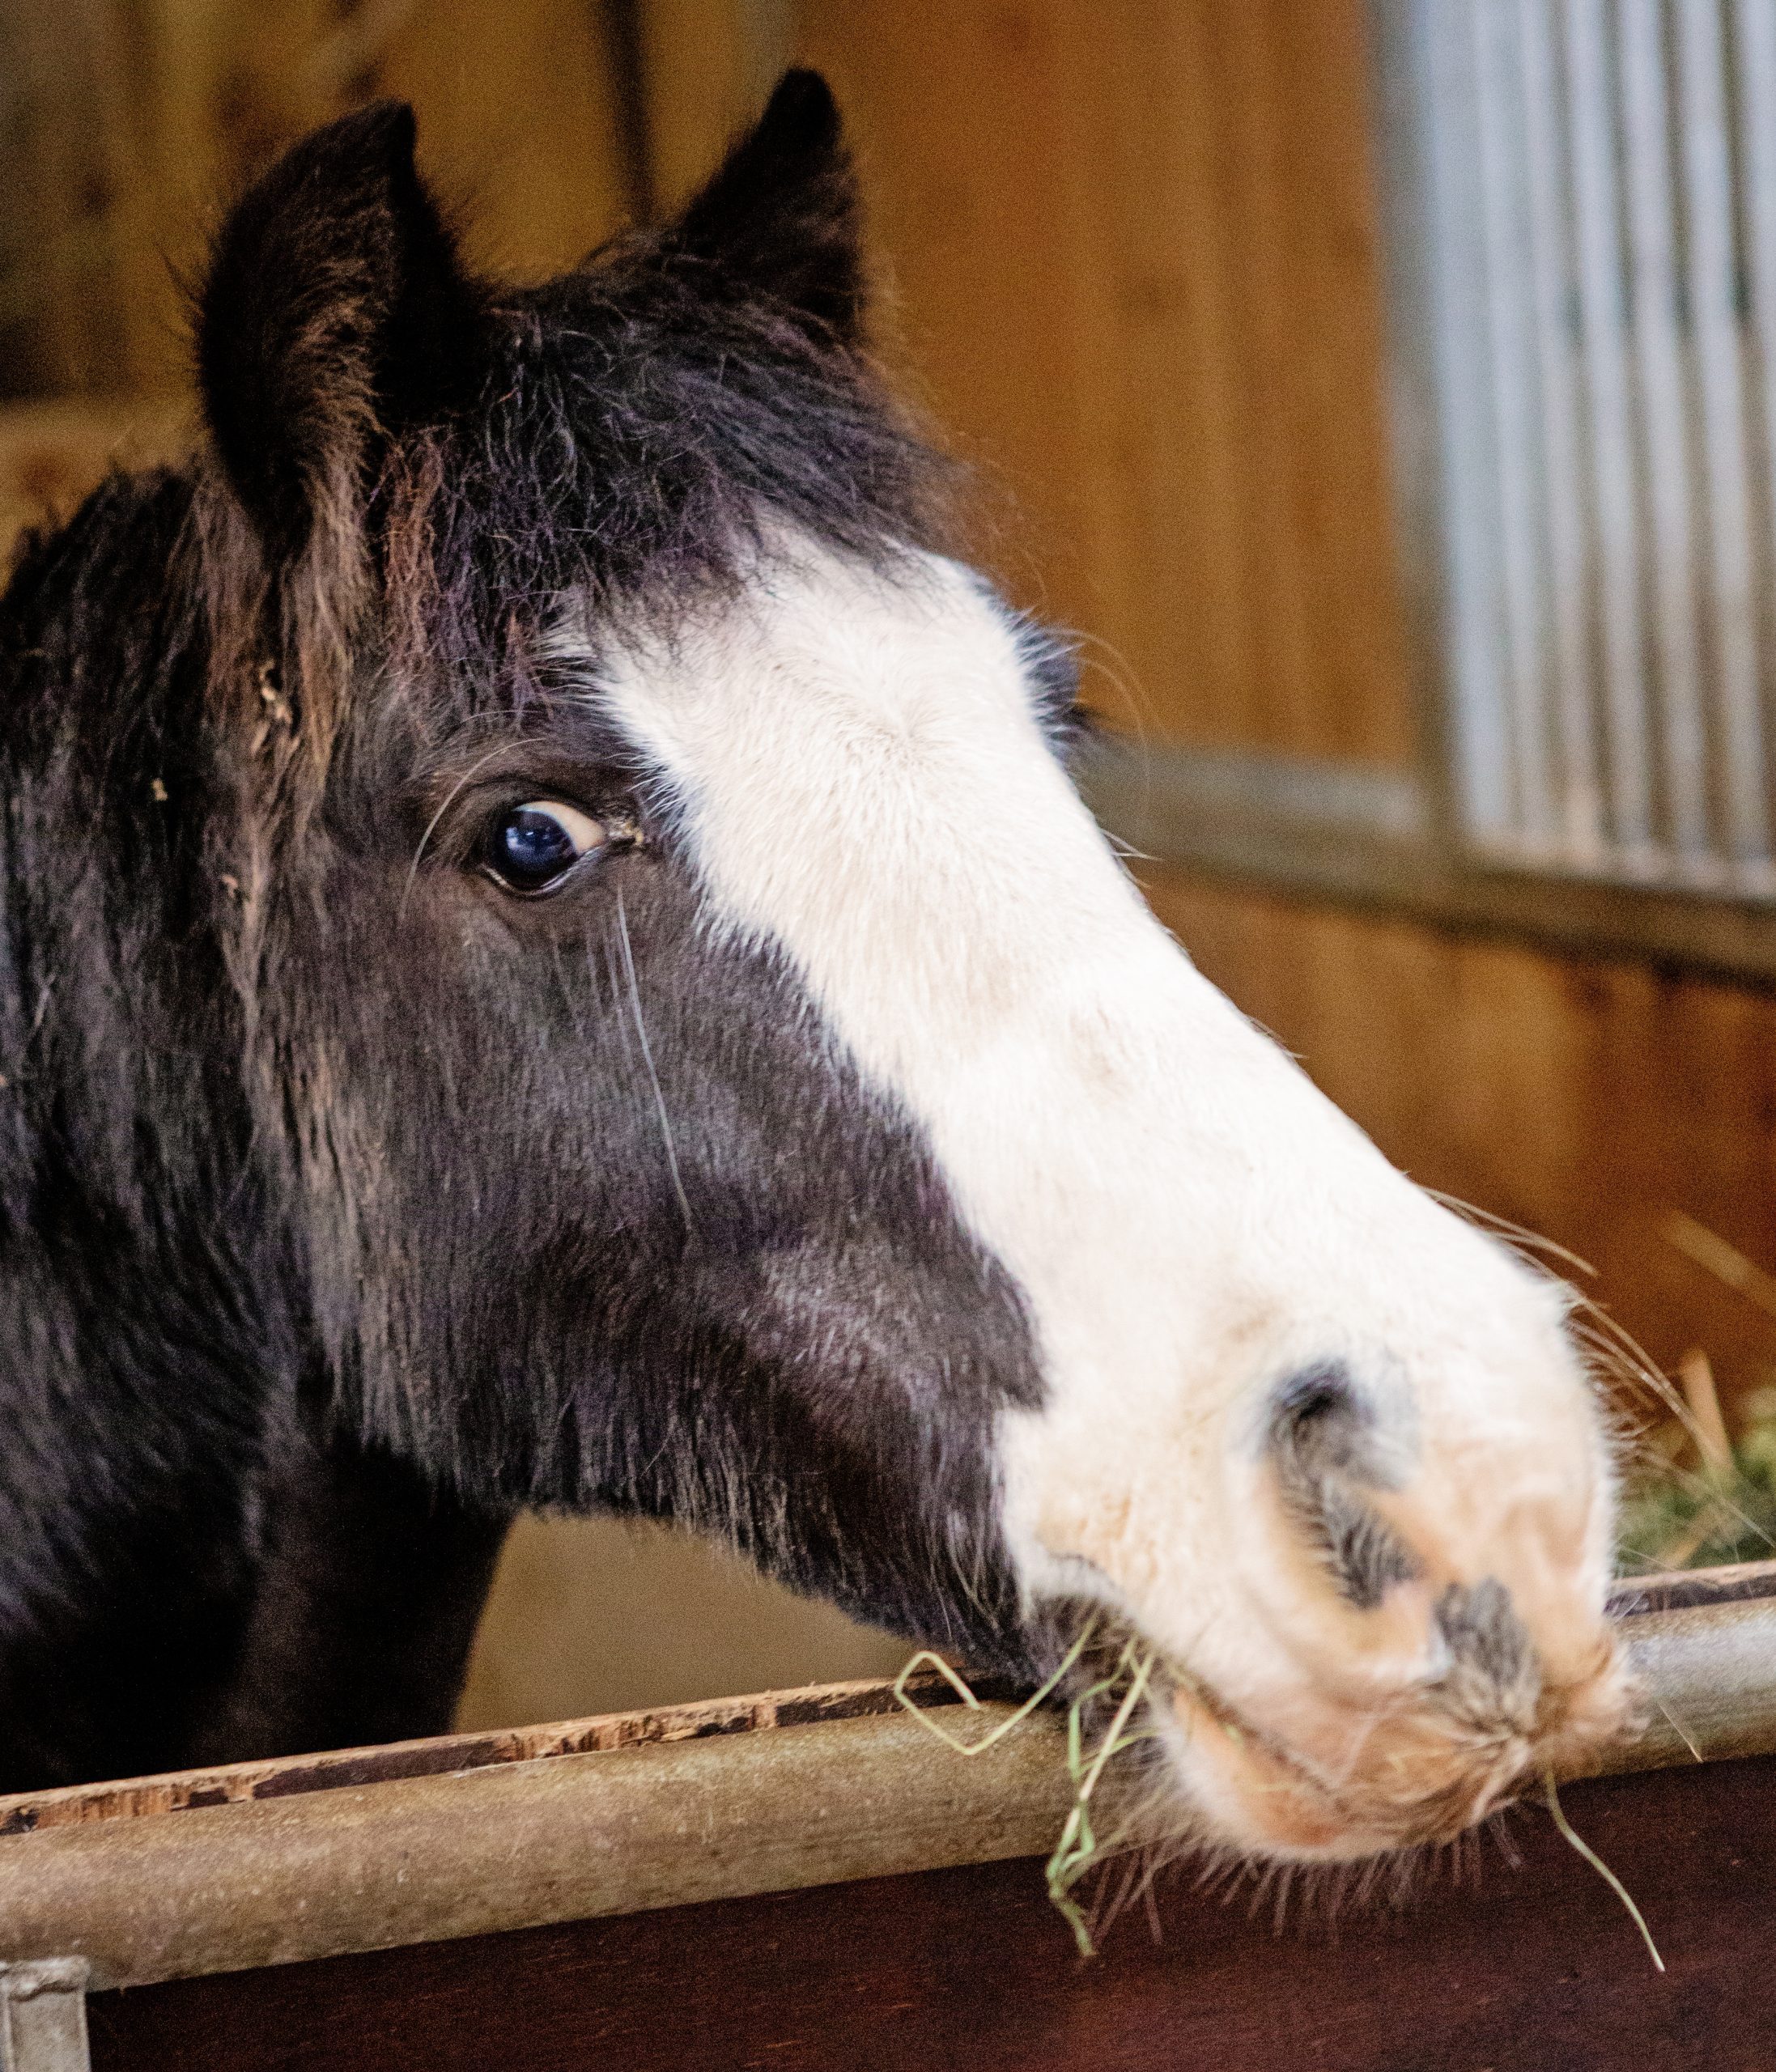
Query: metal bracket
[43, 2015]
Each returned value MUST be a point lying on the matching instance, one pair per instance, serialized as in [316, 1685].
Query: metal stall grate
[1601, 225]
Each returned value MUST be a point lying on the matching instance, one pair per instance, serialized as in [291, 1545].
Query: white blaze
[864, 784]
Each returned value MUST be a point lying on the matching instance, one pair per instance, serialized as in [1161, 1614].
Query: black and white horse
[548, 957]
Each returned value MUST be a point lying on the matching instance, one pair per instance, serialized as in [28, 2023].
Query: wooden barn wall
[1585, 1099]
[546, 124]
[1132, 253]
[1134, 249]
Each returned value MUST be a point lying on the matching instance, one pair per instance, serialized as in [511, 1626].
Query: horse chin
[1422, 1769]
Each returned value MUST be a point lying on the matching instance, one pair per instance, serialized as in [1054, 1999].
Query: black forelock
[635, 444]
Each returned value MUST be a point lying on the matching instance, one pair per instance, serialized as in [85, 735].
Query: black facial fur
[342, 1193]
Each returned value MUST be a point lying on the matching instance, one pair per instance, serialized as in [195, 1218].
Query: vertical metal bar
[1755, 24]
[1566, 674]
[1614, 526]
[1475, 706]
[43, 2015]
[618, 25]
[1655, 292]
[1727, 589]
[1452, 730]
[1510, 338]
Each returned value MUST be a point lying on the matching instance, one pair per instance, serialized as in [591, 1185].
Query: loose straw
[1571, 1835]
[1079, 1844]
[959, 1685]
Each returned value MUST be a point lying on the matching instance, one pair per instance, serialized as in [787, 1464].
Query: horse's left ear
[780, 220]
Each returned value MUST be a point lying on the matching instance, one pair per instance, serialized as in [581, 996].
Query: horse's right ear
[335, 315]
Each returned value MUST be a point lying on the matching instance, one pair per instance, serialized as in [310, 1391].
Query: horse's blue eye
[531, 846]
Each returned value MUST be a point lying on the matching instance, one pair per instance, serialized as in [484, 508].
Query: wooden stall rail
[299, 1865]
[280, 1862]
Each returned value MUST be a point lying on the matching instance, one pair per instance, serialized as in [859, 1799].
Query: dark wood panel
[1529, 1964]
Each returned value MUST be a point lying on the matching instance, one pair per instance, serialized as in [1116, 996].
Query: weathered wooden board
[453, 1755]
[275, 1881]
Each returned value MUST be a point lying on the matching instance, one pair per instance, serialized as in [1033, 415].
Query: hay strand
[959, 1684]
[1080, 1845]
[1570, 1835]
[1727, 1263]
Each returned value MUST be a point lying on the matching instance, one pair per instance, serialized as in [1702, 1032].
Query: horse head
[716, 1069]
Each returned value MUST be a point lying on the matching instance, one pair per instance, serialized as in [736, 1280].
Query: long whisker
[1615, 1347]
[647, 1059]
[1615, 1355]
[1517, 1234]
[1622, 1353]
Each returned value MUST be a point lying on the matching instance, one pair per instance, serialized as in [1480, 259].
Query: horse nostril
[1494, 1675]
[1328, 1444]
[1321, 1421]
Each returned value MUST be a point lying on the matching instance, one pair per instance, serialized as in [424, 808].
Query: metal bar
[1709, 1674]
[1726, 580]
[1566, 674]
[1610, 501]
[43, 2015]
[1446, 422]
[1430, 541]
[1655, 290]
[1754, 50]
[619, 34]
[275, 1881]
[1516, 415]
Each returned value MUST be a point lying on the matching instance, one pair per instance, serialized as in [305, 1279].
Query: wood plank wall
[134, 124]
[1586, 1099]
[1134, 247]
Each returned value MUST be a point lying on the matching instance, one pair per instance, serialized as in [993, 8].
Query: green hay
[1675, 1518]
[1723, 1509]
[1080, 1844]
[933, 1725]
[1570, 1835]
